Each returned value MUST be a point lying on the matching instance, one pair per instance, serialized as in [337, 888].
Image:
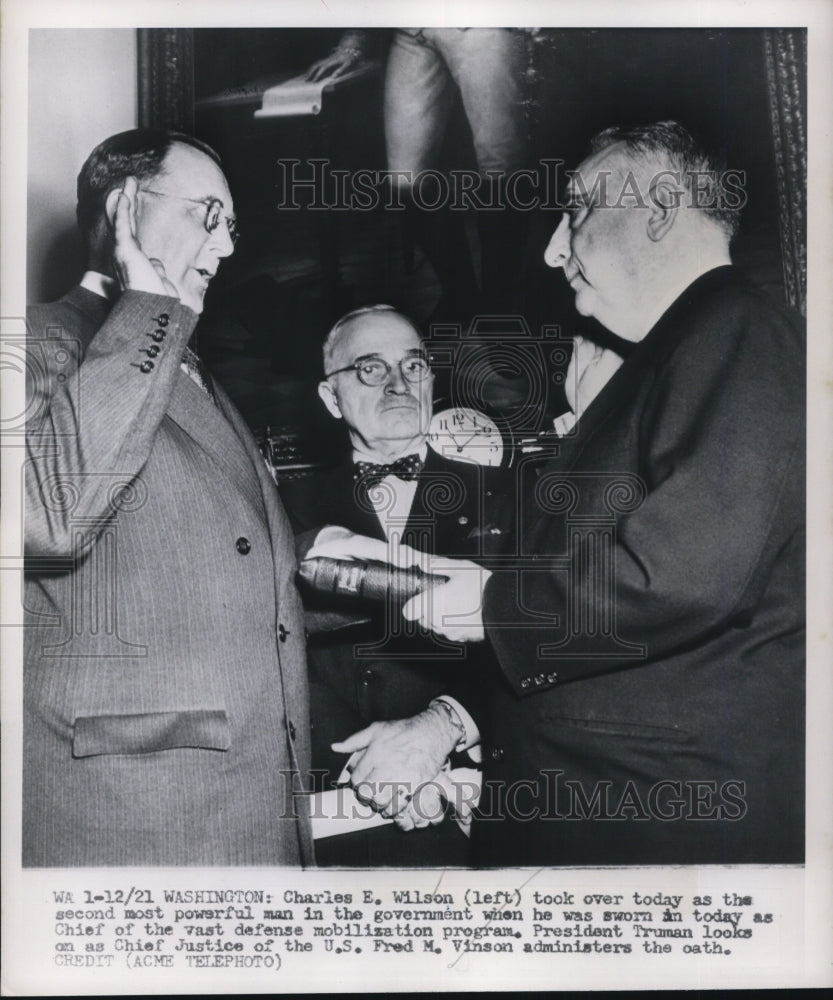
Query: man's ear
[328, 396]
[664, 205]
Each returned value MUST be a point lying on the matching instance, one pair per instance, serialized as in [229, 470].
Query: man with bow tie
[392, 698]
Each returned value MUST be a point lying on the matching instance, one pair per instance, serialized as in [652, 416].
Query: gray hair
[686, 156]
[345, 321]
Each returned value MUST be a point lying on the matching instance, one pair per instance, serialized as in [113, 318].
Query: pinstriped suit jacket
[166, 705]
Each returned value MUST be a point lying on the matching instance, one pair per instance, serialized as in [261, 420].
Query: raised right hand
[133, 268]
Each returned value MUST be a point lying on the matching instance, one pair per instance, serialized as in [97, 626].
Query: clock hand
[477, 433]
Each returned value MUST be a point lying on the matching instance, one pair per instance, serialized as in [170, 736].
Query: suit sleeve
[721, 462]
[95, 420]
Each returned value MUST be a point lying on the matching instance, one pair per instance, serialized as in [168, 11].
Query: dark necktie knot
[370, 473]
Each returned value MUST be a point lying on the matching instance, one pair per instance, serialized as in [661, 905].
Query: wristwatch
[456, 721]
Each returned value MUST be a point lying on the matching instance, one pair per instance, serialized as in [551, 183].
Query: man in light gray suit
[166, 706]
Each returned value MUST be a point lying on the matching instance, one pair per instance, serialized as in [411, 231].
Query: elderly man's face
[170, 221]
[601, 243]
[387, 416]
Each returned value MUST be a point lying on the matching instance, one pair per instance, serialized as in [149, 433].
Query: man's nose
[558, 248]
[396, 383]
[221, 240]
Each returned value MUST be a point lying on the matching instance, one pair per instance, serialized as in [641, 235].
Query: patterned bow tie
[369, 473]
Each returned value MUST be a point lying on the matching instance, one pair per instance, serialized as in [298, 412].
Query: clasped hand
[394, 766]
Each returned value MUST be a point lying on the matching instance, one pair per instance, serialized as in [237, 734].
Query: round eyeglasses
[213, 212]
[376, 371]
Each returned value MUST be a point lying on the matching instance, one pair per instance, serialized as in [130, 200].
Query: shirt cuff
[470, 740]
[329, 533]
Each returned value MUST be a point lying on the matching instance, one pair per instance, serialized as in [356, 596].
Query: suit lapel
[278, 522]
[449, 528]
[212, 428]
[343, 507]
[429, 479]
[619, 391]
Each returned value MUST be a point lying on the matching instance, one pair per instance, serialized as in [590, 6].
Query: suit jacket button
[552, 678]
[462, 519]
[146, 366]
[243, 545]
[162, 319]
[283, 632]
[497, 753]
[539, 678]
[292, 730]
[158, 336]
[525, 682]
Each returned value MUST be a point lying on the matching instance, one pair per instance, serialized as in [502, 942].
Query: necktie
[370, 473]
[198, 373]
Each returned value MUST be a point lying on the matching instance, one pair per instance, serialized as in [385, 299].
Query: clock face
[466, 435]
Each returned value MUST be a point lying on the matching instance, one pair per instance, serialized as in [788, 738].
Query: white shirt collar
[100, 284]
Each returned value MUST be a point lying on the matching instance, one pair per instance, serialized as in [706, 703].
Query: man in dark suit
[391, 489]
[649, 706]
[165, 695]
